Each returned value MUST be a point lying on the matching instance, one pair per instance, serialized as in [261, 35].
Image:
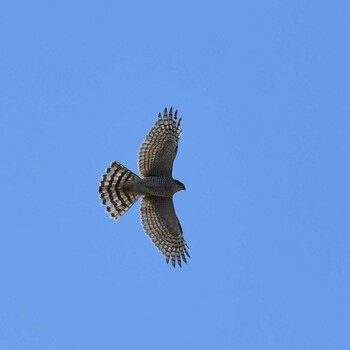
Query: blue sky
[263, 89]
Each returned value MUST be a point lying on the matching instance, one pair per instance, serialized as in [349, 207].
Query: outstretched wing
[158, 151]
[160, 222]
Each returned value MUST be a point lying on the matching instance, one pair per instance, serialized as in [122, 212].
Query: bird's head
[179, 185]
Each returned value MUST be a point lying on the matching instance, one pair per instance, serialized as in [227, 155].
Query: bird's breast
[159, 186]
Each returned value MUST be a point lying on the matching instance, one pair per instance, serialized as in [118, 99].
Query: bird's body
[120, 188]
[158, 186]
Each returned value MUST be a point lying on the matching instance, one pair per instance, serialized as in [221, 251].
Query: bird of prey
[120, 188]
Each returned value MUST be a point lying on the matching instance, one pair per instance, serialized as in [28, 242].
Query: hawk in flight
[120, 188]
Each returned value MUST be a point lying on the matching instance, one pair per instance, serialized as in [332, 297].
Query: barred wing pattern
[163, 227]
[157, 153]
[112, 195]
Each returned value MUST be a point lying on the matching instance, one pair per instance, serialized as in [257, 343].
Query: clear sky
[263, 89]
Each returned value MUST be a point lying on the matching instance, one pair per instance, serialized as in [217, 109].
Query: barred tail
[112, 195]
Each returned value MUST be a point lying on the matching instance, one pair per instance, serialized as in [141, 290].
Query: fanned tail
[112, 195]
